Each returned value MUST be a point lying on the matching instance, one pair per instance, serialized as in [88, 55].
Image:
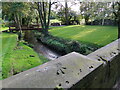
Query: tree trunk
[40, 14]
[103, 21]
[19, 27]
[44, 15]
[44, 20]
[86, 21]
[117, 15]
[16, 21]
[118, 28]
[19, 23]
[66, 13]
[118, 18]
[49, 13]
[36, 20]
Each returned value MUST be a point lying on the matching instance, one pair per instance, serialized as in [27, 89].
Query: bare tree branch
[53, 3]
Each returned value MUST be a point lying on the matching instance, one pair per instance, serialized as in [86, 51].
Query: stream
[48, 53]
[39, 47]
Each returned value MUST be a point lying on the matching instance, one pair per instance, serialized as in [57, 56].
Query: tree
[116, 11]
[44, 10]
[14, 11]
[66, 13]
[103, 11]
[18, 12]
[72, 17]
[84, 11]
[95, 11]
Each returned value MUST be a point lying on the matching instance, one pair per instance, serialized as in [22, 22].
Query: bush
[61, 45]
[3, 23]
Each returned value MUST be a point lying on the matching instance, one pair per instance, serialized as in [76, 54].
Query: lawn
[97, 35]
[4, 28]
[16, 56]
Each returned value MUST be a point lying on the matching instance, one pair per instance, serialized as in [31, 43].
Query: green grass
[96, 35]
[16, 56]
[4, 28]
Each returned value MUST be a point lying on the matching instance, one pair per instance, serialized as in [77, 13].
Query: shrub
[3, 23]
[61, 45]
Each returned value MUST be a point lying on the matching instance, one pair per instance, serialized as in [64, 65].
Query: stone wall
[108, 73]
[99, 69]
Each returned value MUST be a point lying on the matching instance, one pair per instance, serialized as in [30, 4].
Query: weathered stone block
[63, 72]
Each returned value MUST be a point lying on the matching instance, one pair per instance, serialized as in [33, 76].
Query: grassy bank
[16, 56]
[4, 28]
[97, 35]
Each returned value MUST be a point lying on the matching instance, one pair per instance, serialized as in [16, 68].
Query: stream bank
[39, 47]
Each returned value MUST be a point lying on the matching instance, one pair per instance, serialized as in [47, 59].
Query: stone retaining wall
[99, 69]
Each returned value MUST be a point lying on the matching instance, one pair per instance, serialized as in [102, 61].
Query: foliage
[53, 15]
[19, 13]
[96, 10]
[17, 57]
[65, 13]
[72, 16]
[65, 46]
[44, 10]
[2, 23]
[116, 9]
[90, 38]
[116, 12]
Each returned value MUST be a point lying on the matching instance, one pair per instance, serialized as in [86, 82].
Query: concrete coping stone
[107, 52]
[63, 72]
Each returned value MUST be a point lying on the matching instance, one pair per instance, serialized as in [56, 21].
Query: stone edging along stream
[99, 69]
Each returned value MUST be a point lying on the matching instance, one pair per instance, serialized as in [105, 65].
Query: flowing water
[39, 47]
[50, 54]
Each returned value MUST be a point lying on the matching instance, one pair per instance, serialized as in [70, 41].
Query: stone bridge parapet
[100, 69]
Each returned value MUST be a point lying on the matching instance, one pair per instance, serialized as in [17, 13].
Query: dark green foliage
[28, 44]
[61, 45]
[73, 18]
